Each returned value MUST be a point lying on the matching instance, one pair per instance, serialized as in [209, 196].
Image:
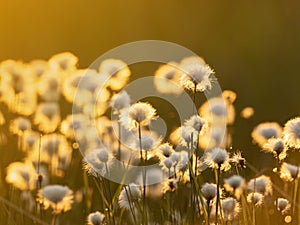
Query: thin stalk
[218, 193]
[295, 190]
[140, 142]
[244, 209]
[40, 177]
[144, 176]
[253, 203]
[208, 212]
[119, 141]
[194, 97]
[54, 219]
[130, 204]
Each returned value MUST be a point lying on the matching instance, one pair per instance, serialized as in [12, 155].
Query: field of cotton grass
[84, 153]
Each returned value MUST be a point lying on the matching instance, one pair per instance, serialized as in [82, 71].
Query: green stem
[218, 193]
[119, 141]
[54, 219]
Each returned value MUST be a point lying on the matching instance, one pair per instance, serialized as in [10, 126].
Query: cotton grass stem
[218, 193]
[54, 219]
[143, 161]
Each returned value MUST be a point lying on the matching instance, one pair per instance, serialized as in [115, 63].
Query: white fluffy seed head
[283, 205]
[261, 185]
[256, 199]
[209, 191]
[95, 218]
[289, 172]
[120, 101]
[103, 155]
[168, 163]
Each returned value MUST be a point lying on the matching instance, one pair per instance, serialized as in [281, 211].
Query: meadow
[81, 151]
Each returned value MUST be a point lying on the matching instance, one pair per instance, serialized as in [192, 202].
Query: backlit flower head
[47, 117]
[118, 73]
[209, 191]
[55, 151]
[261, 184]
[85, 86]
[149, 142]
[167, 165]
[257, 199]
[289, 172]
[95, 218]
[230, 208]
[214, 136]
[120, 101]
[37, 68]
[238, 159]
[49, 86]
[138, 114]
[97, 162]
[188, 135]
[196, 122]
[164, 150]
[19, 125]
[29, 140]
[22, 175]
[64, 61]
[264, 131]
[167, 79]
[196, 75]
[217, 158]
[275, 146]
[283, 205]
[217, 111]
[75, 124]
[235, 185]
[291, 133]
[58, 197]
[129, 195]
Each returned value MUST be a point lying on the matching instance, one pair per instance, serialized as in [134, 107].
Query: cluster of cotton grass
[200, 178]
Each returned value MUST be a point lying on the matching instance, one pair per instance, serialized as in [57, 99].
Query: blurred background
[252, 45]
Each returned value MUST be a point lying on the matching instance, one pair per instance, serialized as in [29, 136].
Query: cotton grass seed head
[235, 185]
[264, 131]
[196, 75]
[277, 147]
[120, 101]
[64, 61]
[283, 205]
[58, 197]
[167, 79]
[289, 172]
[217, 158]
[118, 73]
[255, 198]
[209, 191]
[196, 122]
[19, 125]
[261, 184]
[95, 218]
[238, 159]
[138, 114]
[230, 208]
[22, 175]
[164, 150]
[129, 195]
[291, 133]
